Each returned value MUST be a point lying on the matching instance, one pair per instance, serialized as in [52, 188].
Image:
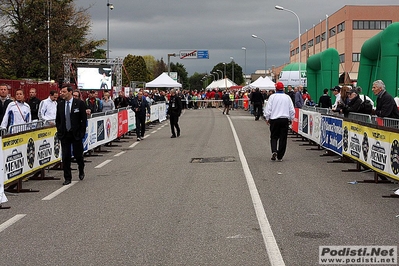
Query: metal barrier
[25, 127]
[322, 110]
[97, 114]
[360, 117]
[390, 122]
[110, 112]
[309, 108]
[3, 131]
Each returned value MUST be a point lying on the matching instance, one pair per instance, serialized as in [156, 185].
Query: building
[346, 30]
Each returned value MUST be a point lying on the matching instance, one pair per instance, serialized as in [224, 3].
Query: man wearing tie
[71, 122]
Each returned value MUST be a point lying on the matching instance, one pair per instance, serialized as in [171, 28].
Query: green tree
[196, 82]
[238, 74]
[23, 37]
[151, 64]
[182, 74]
[135, 69]
[160, 67]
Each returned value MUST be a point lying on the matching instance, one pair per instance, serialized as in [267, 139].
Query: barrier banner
[162, 112]
[375, 148]
[154, 112]
[3, 197]
[310, 125]
[122, 122]
[331, 134]
[28, 152]
[295, 123]
[131, 120]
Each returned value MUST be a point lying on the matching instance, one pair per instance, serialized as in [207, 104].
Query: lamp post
[256, 37]
[232, 68]
[109, 7]
[169, 55]
[216, 74]
[212, 76]
[221, 73]
[299, 38]
[245, 60]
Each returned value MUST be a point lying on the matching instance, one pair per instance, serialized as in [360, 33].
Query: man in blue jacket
[141, 109]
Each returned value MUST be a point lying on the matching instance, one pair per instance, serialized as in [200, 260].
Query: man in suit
[174, 111]
[140, 107]
[71, 131]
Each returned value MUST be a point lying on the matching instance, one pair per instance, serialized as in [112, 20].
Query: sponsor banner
[331, 134]
[310, 128]
[295, 123]
[122, 122]
[375, 148]
[3, 197]
[162, 112]
[28, 152]
[131, 120]
[154, 112]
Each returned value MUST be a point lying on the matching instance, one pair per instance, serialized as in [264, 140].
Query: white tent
[263, 84]
[163, 81]
[221, 84]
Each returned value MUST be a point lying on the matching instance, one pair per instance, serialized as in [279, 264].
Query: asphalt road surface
[210, 197]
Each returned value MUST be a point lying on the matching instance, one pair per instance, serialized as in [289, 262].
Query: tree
[135, 69]
[151, 65]
[160, 67]
[238, 75]
[23, 37]
[196, 82]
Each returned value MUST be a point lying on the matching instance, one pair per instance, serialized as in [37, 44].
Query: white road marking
[119, 154]
[59, 191]
[11, 221]
[155, 131]
[103, 163]
[133, 145]
[272, 248]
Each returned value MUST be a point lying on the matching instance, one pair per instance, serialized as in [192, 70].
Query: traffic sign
[194, 54]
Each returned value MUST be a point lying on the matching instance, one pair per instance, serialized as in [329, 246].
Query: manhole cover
[312, 235]
[213, 160]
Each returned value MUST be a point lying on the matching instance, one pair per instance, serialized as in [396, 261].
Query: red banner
[122, 123]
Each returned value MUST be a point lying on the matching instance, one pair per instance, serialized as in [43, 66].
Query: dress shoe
[173, 136]
[178, 134]
[66, 182]
[81, 176]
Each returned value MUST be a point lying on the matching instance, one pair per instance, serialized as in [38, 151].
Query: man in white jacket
[48, 108]
[17, 113]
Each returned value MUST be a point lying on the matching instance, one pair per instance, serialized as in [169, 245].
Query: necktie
[68, 117]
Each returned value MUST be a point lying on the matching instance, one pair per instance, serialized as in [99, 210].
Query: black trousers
[278, 134]
[257, 109]
[174, 123]
[140, 126]
[67, 142]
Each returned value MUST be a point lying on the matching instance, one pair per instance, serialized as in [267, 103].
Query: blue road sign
[202, 54]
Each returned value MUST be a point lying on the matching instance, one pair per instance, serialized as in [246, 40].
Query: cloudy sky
[223, 27]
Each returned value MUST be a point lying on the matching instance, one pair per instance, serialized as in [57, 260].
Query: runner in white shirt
[17, 112]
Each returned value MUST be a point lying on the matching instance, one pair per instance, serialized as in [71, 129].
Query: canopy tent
[263, 84]
[221, 84]
[163, 81]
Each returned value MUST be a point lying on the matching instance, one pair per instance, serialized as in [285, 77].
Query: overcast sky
[223, 27]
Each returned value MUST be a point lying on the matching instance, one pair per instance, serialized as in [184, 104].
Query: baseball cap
[336, 88]
[279, 86]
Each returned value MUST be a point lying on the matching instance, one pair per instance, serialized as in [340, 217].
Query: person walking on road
[280, 112]
[174, 111]
[71, 120]
[226, 102]
[141, 109]
[257, 102]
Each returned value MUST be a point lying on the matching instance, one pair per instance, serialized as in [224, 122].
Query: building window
[310, 43]
[371, 24]
[323, 36]
[342, 58]
[292, 52]
[356, 57]
[332, 32]
[317, 39]
[341, 27]
[297, 50]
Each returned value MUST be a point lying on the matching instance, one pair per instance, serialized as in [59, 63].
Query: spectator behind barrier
[354, 103]
[325, 100]
[4, 100]
[48, 108]
[386, 106]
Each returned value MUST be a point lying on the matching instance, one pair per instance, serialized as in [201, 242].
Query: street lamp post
[232, 68]
[225, 80]
[245, 60]
[256, 37]
[216, 74]
[169, 55]
[109, 7]
[221, 73]
[299, 38]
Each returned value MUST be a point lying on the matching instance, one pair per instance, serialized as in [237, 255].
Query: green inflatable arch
[379, 59]
[322, 71]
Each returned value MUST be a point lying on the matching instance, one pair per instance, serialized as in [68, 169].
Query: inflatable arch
[379, 59]
[322, 71]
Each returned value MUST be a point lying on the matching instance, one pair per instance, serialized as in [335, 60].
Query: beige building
[347, 29]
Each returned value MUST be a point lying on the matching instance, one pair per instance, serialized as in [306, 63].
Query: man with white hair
[386, 106]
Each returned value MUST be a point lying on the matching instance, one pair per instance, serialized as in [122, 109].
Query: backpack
[365, 106]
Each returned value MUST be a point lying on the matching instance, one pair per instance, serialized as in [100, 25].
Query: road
[210, 197]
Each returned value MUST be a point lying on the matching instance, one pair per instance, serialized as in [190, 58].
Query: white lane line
[134, 144]
[103, 163]
[155, 131]
[59, 191]
[11, 221]
[119, 154]
[272, 248]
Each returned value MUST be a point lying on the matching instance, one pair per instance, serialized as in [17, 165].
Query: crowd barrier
[29, 148]
[370, 141]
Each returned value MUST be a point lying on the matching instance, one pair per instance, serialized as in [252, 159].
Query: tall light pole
[225, 80]
[299, 38]
[221, 73]
[245, 60]
[109, 7]
[256, 37]
[48, 40]
[232, 68]
[216, 74]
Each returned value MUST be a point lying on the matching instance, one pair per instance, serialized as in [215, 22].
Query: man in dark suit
[71, 131]
[140, 107]
[174, 111]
